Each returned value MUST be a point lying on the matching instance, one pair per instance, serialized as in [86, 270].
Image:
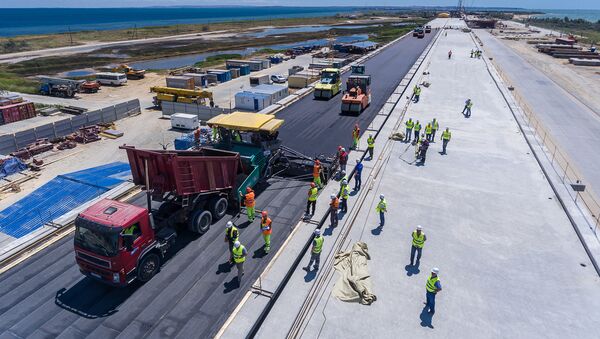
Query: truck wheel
[218, 207]
[148, 267]
[200, 221]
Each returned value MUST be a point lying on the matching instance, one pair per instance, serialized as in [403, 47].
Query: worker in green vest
[428, 131]
[370, 145]
[417, 130]
[317, 248]
[344, 194]
[446, 135]
[232, 234]
[239, 257]
[418, 240]
[409, 127]
[433, 287]
[313, 193]
[131, 230]
[467, 110]
[381, 208]
[435, 126]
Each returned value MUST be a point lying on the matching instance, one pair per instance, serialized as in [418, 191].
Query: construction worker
[344, 194]
[446, 135]
[343, 160]
[357, 174]
[317, 170]
[434, 128]
[409, 127]
[249, 203]
[450, 54]
[417, 130]
[467, 109]
[423, 150]
[472, 52]
[381, 209]
[237, 137]
[215, 133]
[313, 193]
[232, 235]
[131, 230]
[370, 145]
[418, 240]
[239, 257]
[417, 93]
[428, 131]
[265, 227]
[334, 205]
[355, 136]
[414, 92]
[433, 286]
[315, 253]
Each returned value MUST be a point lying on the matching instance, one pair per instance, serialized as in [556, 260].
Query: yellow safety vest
[446, 135]
[238, 254]
[344, 192]
[129, 230]
[431, 284]
[314, 193]
[470, 104]
[417, 127]
[410, 124]
[381, 206]
[428, 129]
[318, 247]
[232, 233]
[436, 126]
[418, 241]
[370, 142]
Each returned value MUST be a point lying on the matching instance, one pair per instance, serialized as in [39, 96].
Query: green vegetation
[269, 51]
[15, 83]
[386, 33]
[216, 59]
[587, 29]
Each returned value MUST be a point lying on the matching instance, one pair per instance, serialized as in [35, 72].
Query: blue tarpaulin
[59, 196]
[11, 166]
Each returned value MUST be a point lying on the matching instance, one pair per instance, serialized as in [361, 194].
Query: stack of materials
[35, 148]
[188, 141]
[87, 134]
[180, 82]
[564, 51]
[303, 78]
[584, 62]
[13, 108]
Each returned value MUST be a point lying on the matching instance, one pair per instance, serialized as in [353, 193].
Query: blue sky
[554, 4]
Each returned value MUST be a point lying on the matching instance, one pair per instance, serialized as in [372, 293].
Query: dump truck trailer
[117, 243]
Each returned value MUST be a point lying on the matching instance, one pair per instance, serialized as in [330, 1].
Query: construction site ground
[195, 292]
[511, 264]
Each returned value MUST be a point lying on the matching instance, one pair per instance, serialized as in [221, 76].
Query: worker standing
[344, 194]
[418, 240]
[467, 109]
[417, 93]
[428, 131]
[472, 54]
[317, 170]
[232, 235]
[343, 160]
[355, 136]
[370, 146]
[249, 203]
[313, 193]
[265, 227]
[409, 127]
[334, 205]
[433, 286]
[381, 209]
[450, 54]
[414, 92]
[315, 253]
[423, 150]
[239, 257]
[417, 131]
[357, 174]
[446, 135]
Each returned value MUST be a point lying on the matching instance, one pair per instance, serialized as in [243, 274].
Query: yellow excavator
[132, 74]
[186, 96]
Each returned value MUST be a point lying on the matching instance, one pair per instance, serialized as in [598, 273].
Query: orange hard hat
[312, 184]
[264, 213]
[248, 189]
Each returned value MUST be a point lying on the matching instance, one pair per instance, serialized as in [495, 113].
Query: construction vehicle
[66, 88]
[186, 96]
[419, 32]
[358, 94]
[330, 84]
[132, 74]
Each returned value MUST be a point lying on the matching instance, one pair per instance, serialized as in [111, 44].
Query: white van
[114, 79]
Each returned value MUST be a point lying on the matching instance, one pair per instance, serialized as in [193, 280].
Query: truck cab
[116, 244]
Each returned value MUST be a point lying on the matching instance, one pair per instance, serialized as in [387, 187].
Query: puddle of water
[79, 73]
[110, 55]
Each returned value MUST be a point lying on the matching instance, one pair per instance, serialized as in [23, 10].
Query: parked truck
[66, 87]
[130, 72]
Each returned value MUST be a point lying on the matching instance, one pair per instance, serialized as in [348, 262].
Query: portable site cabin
[260, 97]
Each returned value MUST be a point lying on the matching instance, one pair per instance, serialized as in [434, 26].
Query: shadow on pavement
[259, 253]
[310, 275]
[426, 318]
[412, 270]
[377, 230]
[231, 285]
[224, 268]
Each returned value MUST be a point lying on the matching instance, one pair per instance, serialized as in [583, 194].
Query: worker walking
[428, 131]
[315, 253]
[239, 257]
[317, 171]
[355, 136]
[433, 286]
[343, 159]
[450, 54]
[434, 128]
[249, 203]
[417, 93]
[409, 127]
[446, 135]
[313, 193]
[417, 131]
[232, 235]
[381, 209]
[418, 240]
[370, 146]
[472, 53]
[467, 110]
[357, 174]
[265, 227]
[344, 194]
[334, 205]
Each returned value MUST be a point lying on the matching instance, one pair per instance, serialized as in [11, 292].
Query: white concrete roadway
[511, 264]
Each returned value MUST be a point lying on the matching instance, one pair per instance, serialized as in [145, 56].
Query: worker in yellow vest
[232, 234]
[381, 209]
[428, 131]
[467, 110]
[409, 127]
[265, 227]
[433, 287]
[446, 135]
[370, 145]
[317, 248]
[435, 126]
[417, 130]
[239, 257]
[344, 194]
[313, 193]
[418, 240]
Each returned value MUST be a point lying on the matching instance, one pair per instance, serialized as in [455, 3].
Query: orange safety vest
[335, 203]
[249, 200]
[266, 223]
[316, 170]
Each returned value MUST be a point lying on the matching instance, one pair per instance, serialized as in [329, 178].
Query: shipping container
[244, 69]
[235, 73]
[253, 65]
[184, 121]
[17, 112]
[259, 80]
[223, 75]
[276, 59]
[200, 79]
[211, 79]
[266, 63]
[180, 82]
[252, 101]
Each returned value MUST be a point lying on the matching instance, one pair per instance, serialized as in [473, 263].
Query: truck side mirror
[128, 241]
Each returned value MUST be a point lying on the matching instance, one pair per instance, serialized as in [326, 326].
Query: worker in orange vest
[334, 205]
[265, 227]
[249, 203]
[355, 136]
[317, 174]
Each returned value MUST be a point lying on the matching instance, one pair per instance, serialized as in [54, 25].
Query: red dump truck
[116, 242]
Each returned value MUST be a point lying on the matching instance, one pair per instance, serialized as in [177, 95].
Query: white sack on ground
[354, 283]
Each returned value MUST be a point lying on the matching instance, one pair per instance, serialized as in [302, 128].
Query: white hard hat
[229, 224]
[419, 227]
[332, 196]
[344, 181]
[357, 161]
[317, 232]
[435, 270]
[343, 149]
[236, 244]
[381, 196]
